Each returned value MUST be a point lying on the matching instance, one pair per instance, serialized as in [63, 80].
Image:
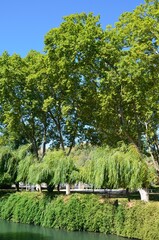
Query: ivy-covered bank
[83, 212]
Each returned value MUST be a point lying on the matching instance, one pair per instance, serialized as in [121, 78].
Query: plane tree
[12, 76]
[34, 119]
[91, 86]
[22, 118]
[73, 54]
[128, 93]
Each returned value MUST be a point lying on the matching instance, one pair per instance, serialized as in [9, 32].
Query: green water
[14, 231]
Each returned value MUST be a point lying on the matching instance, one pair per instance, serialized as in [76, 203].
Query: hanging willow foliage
[54, 168]
[122, 167]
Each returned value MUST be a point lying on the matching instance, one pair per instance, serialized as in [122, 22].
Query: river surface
[16, 231]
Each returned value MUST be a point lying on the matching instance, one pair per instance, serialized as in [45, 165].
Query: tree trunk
[44, 148]
[38, 187]
[81, 185]
[127, 194]
[50, 188]
[58, 187]
[17, 186]
[44, 138]
[68, 189]
[144, 194]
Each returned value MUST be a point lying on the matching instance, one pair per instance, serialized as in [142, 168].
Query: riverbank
[83, 212]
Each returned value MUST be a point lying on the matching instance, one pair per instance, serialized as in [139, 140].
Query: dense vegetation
[85, 110]
[138, 220]
[91, 87]
[100, 167]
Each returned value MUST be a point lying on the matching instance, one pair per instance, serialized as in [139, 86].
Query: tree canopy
[92, 86]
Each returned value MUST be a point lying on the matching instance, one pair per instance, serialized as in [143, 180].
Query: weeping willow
[122, 167]
[102, 167]
[54, 168]
[14, 164]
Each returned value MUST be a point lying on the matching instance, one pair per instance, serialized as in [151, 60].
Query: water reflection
[21, 236]
[13, 231]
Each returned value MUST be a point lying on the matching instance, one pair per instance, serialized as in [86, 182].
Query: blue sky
[24, 23]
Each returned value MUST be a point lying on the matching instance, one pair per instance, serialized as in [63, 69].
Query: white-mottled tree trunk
[80, 185]
[144, 194]
[68, 189]
[38, 187]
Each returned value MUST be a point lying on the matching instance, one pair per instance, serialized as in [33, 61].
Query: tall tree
[12, 81]
[22, 117]
[73, 52]
[35, 119]
[129, 87]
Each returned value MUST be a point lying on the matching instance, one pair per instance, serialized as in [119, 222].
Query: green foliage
[138, 225]
[102, 213]
[23, 168]
[129, 88]
[89, 86]
[122, 167]
[119, 219]
[24, 208]
[14, 164]
[8, 164]
[64, 214]
[54, 168]
[74, 213]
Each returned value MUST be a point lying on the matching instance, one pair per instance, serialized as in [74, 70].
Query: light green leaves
[122, 167]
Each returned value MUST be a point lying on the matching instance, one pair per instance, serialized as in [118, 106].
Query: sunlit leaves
[122, 167]
[55, 168]
[129, 87]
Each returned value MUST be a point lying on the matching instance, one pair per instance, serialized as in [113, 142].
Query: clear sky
[24, 23]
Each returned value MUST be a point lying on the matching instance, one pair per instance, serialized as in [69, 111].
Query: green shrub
[119, 219]
[98, 215]
[54, 213]
[83, 212]
[73, 214]
[8, 206]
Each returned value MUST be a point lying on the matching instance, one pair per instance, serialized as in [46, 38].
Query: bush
[83, 212]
